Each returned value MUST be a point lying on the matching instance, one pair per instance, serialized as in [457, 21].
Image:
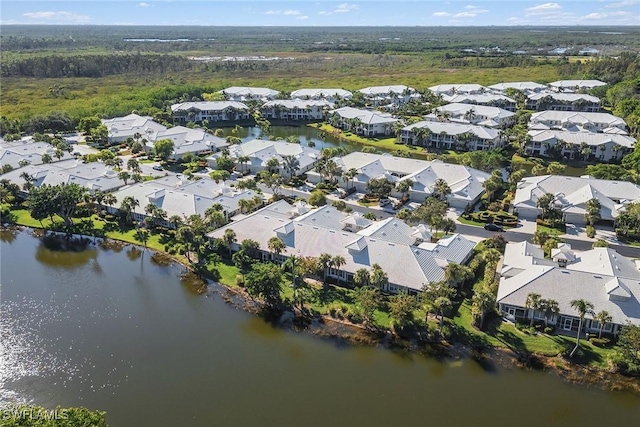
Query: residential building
[526, 87]
[455, 89]
[488, 99]
[257, 153]
[451, 136]
[397, 248]
[466, 183]
[212, 111]
[15, 153]
[132, 126]
[187, 140]
[601, 146]
[482, 115]
[563, 102]
[382, 95]
[236, 93]
[92, 176]
[181, 197]
[600, 276]
[575, 85]
[578, 122]
[297, 109]
[331, 95]
[572, 194]
[362, 122]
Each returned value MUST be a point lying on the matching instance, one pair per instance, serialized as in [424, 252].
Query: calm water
[113, 331]
[305, 134]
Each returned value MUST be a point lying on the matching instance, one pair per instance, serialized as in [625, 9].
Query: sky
[322, 12]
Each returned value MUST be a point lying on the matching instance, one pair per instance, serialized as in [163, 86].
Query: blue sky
[321, 12]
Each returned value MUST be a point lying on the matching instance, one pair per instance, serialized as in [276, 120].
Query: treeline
[608, 69]
[93, 65]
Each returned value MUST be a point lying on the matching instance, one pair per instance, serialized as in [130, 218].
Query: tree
[593, 208]
[291, 165]
[550, 307]
[317, 198]
[46, 158]
[60, 199]
[124, 176]
[441, 189]
[362, 277]
[555, 168]
[87, 124]
[602, 317]
[214, 217]
[515, 177]
[379, 187]
[455, 274]
[545, 203]
[493, 184]
[127, 206]
[404, 187]
[336, 262]
[534, 302]
[133, 165]
[379, 278]
[276, 246]
[401, 308]
[629, 347]
[163, 148]
[264, 280]
[481, 303]
[273, 181]
[142, 236]
[583, 307]
[434, 299]
[324, 259]
[367, 299]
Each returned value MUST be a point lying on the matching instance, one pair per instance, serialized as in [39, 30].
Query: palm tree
[46, 158]
[603, 317]
[593, 208]
[550, 308]
[175, 221]
[454, 274]
[124, 176]
[336, 262]
[482, 302]
[583, 307]
[229, 237]
[441, 189]
[534, 302]
[440, 305]
[291, 165]
[404, 187]
[110, 199]
[276, 246]
[242, 160]
[127, 206]
[324, 259]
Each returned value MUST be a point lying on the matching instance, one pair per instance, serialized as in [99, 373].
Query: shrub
[494, 206]
[591, 231]
[599, 342]
[548, 330]
[332, 312]
[110, 218]
[240, 280]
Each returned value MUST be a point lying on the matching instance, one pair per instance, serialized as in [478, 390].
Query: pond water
[113, 331]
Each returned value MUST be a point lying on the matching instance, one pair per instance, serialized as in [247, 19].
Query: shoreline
[329, 328]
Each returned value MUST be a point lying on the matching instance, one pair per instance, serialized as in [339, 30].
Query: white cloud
[302, 17]
[57, 17]
[346, 7]
[283, 12]
[324, 12]
[465, 15]
[143, 5]
[543, 9]
[623, 3]
[597, 16]
[441, 14]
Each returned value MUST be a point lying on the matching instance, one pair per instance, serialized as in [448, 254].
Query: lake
[112, 331]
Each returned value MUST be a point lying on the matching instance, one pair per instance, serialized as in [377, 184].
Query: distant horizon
[315, 13]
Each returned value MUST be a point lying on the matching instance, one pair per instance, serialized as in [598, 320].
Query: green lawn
[550, 230]
[505, 335]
